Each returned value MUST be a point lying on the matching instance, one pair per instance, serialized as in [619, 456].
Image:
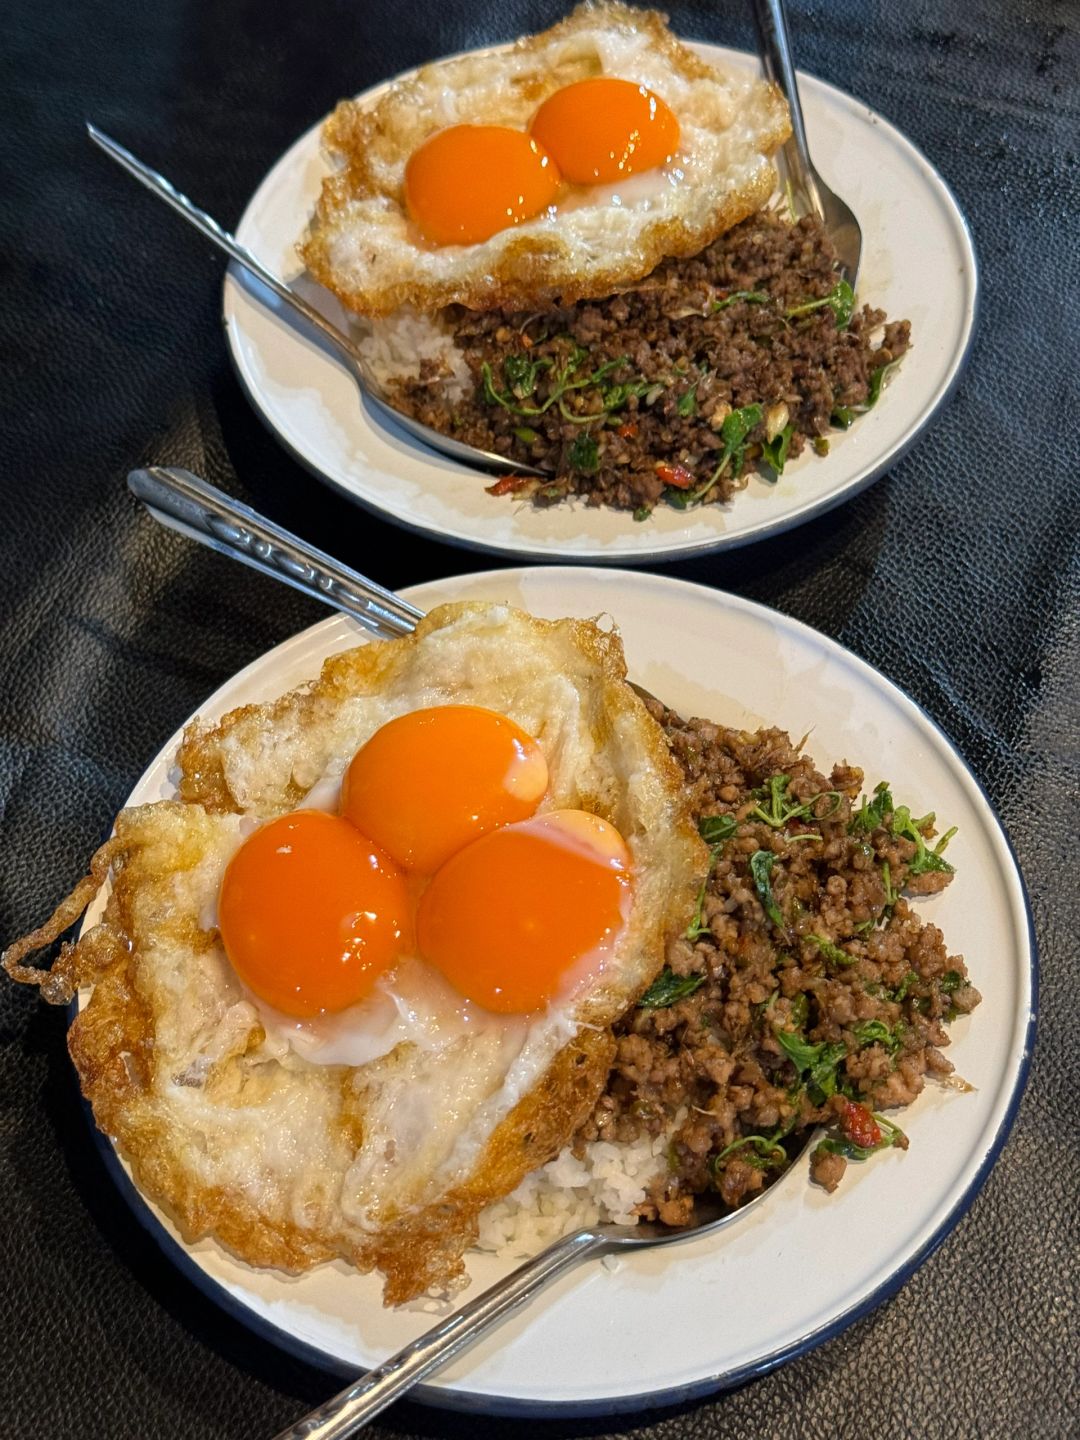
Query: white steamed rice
[395, 345]
[567, 1194]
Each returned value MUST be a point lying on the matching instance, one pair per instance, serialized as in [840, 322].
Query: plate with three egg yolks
[667, 1325]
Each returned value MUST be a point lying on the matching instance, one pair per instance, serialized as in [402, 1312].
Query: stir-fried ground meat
[677, 388]
[806, 990]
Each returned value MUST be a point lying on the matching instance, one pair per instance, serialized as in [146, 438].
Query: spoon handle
[779, 65]
[208, 226]
[350, 1411]
[185, 502]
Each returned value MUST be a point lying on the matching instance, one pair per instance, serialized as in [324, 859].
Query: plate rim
[479, 1402]
[672, 553]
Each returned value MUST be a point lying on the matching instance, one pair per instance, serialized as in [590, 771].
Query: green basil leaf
[614, 397]
[840, 300]
[815, 1063]
[669, 987]
[715, 829]
[761, 864]
[687, 403]
[876, 1032]
[924, 859]
[584, 455]
[910, 978]
[738, 424]
[752, 297]
[800, 1052]
[877, 380]
[521, 374]
[775, 451]
[871, 815]
[766, 1152]
[831, 952]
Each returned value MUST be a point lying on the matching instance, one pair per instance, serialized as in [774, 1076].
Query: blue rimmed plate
[665, 1326]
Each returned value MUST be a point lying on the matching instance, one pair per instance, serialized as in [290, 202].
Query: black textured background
[957, 575]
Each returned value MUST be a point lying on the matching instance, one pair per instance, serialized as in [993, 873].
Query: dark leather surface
[957, 575]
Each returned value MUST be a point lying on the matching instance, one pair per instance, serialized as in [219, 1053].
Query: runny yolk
[601, 130]
[431, 781]
[510, 917]
[311, 913]
[468, 182]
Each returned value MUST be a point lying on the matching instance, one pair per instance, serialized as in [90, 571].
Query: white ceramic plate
[918, 262]
[670, 1324]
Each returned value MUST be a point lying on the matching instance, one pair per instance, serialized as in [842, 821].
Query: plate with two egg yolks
[665, 1326]
[558, 169]
[917, 262]
[464, 183]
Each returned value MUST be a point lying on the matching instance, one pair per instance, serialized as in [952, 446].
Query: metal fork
[341, 343]
[810, 191]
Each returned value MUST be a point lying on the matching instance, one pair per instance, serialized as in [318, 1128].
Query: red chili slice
[509, 484]
[627, 432]
[859, 1125]
[675, 475]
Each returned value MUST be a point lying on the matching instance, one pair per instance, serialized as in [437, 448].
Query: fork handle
[208, 226]
[187, 503]
[350, 1411]
[779, 66]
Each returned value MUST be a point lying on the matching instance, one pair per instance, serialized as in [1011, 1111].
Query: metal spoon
[352, 1408]
[339, 341]
[184, 502]
[811, 192]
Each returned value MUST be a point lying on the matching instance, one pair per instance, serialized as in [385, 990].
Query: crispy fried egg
[370, 1105]
[556, 170]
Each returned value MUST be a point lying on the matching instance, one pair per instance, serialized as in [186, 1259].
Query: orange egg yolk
[602, 130]
[468, 182]
[508, 919]
[311, 913]
[429, 782]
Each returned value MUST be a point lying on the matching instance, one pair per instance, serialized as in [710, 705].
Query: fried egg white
[378, 1133]
[588, 239]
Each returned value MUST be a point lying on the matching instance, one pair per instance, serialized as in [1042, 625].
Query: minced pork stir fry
[805, 992]
[674, 390]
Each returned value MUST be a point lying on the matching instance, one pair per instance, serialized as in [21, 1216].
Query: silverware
[810, 190]
[187, 503]
[352, 1408]
[346, 350]
[190, 505]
